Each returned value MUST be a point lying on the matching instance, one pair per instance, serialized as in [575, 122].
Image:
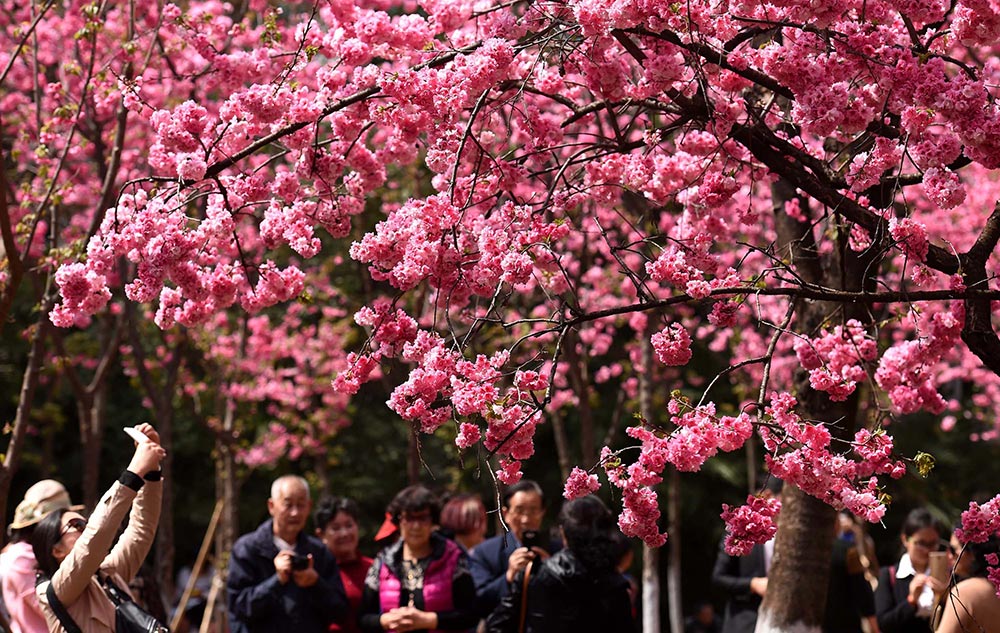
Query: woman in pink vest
[421, 582]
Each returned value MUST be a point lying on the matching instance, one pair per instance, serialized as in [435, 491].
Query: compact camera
[299, 562]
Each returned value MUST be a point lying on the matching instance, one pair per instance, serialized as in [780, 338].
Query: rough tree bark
[798, 577]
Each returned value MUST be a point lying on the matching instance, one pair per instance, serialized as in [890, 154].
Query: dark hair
[329, 507]
[978, 566]
[414, 499]
[589, 529]
[920, 518]
[21, 534]
[525, 485]
[464, 514]
[47, 533]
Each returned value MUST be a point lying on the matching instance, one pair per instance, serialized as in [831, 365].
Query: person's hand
[306, 577]
[759, 585]
[540, 553]
[917, 587]
[147, 429]
[283, 565]
[146, 458]
[413, 619]
[518, 560]
[393, 619]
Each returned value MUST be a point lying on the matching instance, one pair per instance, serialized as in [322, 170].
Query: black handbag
[129, 617]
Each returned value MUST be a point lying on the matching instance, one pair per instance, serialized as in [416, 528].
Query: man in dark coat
[280, 578]
[496, 560]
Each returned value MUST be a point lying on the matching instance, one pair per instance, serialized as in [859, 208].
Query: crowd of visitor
[437, 571]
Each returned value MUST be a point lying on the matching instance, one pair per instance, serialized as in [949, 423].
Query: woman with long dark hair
[72, 552]
[578, 589]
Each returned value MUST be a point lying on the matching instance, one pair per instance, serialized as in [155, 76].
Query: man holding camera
[280, 578]
[496, 561]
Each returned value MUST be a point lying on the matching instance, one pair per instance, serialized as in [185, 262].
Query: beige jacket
[75, 581]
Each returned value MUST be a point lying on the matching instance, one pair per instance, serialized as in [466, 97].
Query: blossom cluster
[906, 370]
[980, 523]
[800, 453]
[835, 359]
[750, 524]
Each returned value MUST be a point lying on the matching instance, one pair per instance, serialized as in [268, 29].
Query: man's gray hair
[280, 482]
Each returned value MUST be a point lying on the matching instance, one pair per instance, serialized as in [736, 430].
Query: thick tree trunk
[797, 580]
[799, 573]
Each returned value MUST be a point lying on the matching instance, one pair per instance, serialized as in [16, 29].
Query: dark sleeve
[327, 596]
[248, 596]
[726, 575]
[370, 610]
[489, 580]
[506, 617]
[463, 594]
[862, 594]
[893, 616]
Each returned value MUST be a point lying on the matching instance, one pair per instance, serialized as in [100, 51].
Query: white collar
[905, 567]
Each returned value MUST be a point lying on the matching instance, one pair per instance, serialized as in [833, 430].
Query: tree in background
[806, 191]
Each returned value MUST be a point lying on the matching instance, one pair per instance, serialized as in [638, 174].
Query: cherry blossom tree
[806, 190]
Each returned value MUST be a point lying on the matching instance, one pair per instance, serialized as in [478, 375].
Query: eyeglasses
[933, 546]
[76, 523]
[420, 517]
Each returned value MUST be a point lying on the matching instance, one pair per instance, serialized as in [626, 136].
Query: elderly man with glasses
[497, 560]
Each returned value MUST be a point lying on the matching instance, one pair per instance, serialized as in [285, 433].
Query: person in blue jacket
[496, 560]
[280, 577]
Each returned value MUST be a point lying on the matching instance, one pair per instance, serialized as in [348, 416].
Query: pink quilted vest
[437, 582]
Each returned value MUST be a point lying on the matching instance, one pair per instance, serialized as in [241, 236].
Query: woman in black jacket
[576, 590]
[905, 596]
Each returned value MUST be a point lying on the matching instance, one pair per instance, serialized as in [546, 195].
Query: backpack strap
[65, 619]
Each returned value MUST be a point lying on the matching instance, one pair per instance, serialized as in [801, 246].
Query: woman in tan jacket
[72, 551]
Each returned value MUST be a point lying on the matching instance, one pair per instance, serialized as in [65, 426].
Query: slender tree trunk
[90, 413]
[412, 457]
[581, 387]
[562, 444]
[165, 534]
[650, 556]
[674, 598]
[650, 589]
[12, 458]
